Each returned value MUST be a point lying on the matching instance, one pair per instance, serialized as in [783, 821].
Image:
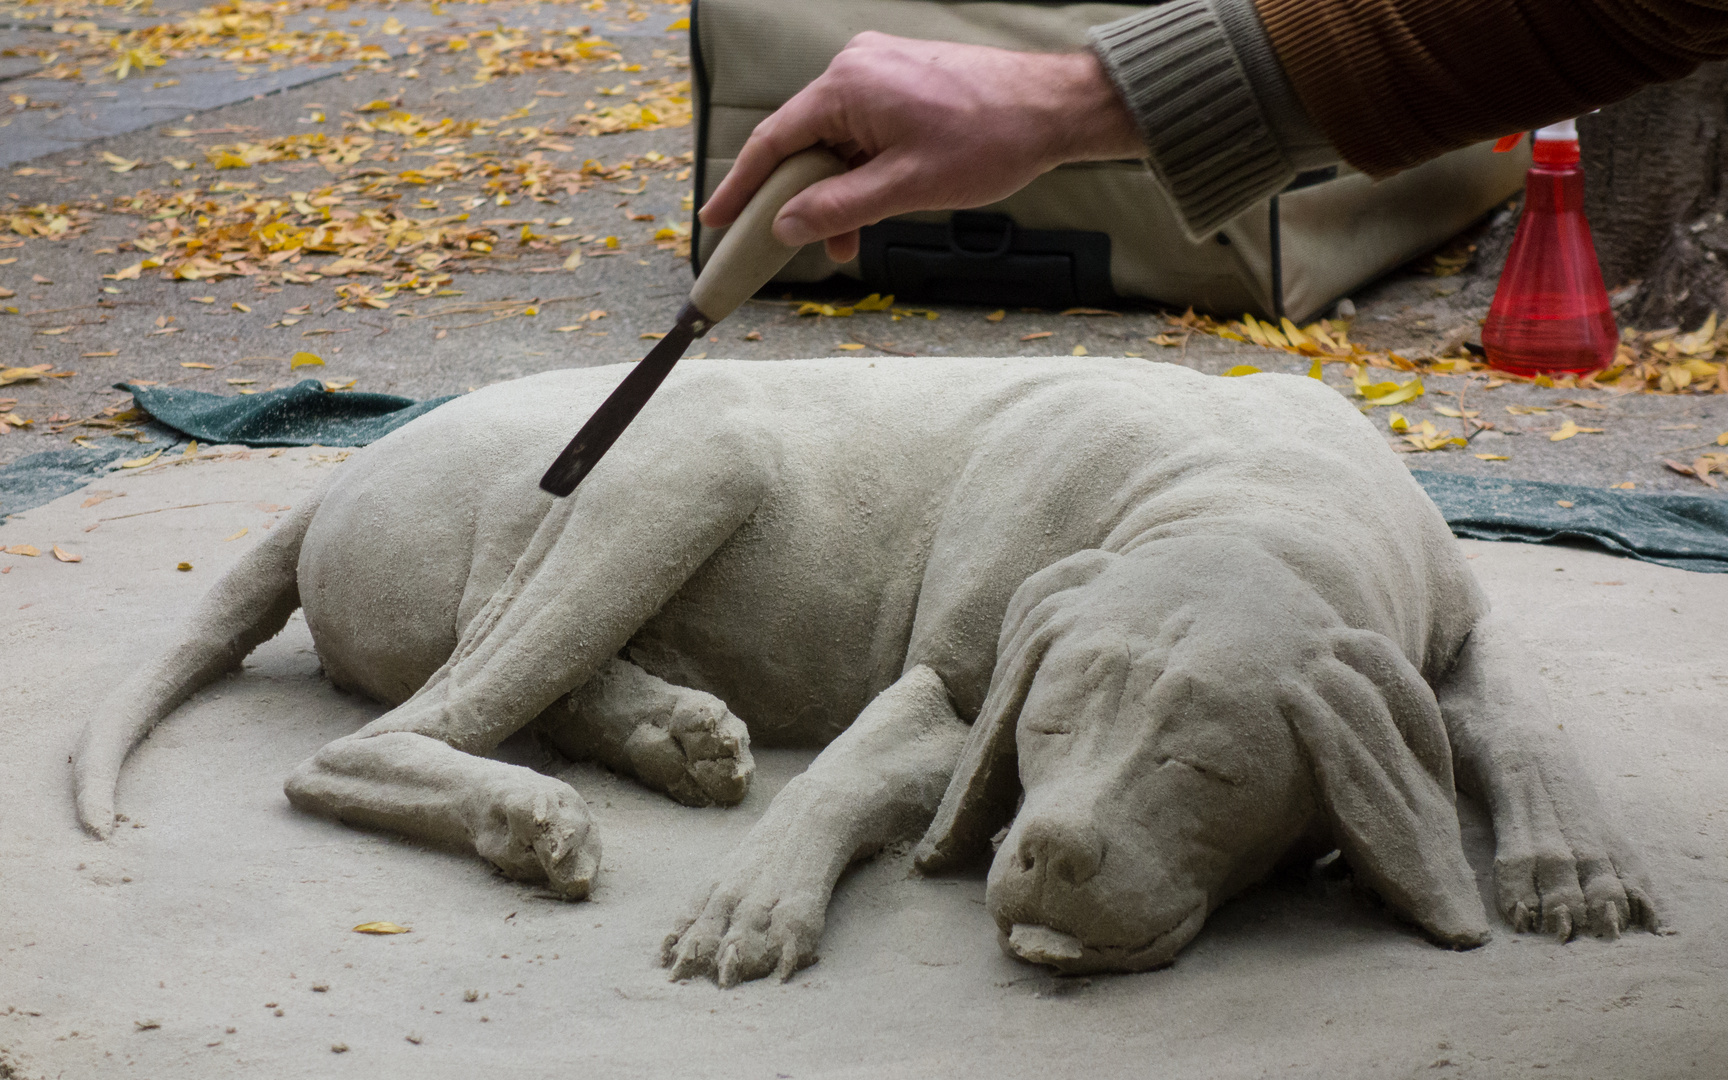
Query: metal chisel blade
[621, 406]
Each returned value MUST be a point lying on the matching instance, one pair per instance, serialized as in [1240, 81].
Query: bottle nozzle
[1556, 144]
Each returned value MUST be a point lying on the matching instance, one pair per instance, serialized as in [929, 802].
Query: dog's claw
[1563, 931]
[1611, 922]
[1521, 921]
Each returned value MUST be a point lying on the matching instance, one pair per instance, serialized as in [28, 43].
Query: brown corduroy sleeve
[1396, 82]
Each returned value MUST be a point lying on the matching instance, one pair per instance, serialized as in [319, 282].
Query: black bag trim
[986, 258]
[699, 74]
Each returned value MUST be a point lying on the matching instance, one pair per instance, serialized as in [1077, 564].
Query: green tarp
[1685, 531]
[304, 414]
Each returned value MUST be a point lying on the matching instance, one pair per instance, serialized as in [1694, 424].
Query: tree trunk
[1656, 192]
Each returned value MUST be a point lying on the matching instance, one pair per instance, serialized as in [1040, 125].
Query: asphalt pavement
[579, 256]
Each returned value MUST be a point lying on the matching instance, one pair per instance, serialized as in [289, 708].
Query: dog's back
[913, 496]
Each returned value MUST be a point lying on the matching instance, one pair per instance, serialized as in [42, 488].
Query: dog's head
[1171, 721]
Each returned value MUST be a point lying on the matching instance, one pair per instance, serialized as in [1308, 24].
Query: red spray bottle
[1550, 314]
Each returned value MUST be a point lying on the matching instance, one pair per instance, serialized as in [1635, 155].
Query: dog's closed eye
[1204, 770]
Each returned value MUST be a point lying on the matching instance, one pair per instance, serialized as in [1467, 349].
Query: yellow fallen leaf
[1397, 422]
[1317, 370]
[849, 346]
[1700, 339]
[238, 306]
[1291, 334]
[1569, 429]
[678, 24]
[1626, 485]
[130, 273]
[183, 566]
[56, 330]
[236, 536]
[566, 329]
[66, 556]
[1242, 369]
[91, 355]
[25, 550]
[997, 316]
[118, 164]
[1722, 439]
[1079, 350]
[1398, 395]
[1564, 503]
[196, 364]
[379, 105]
[139, 463]
[1036, 334]
[1256, 332]
[878, 302]
[202, 299]
[573, 260]
[305, 359]
[380, 928]
[1447, 410]
[332, 386]
[1494, 457]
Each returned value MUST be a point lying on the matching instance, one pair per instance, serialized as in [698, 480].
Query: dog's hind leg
[674, 739]
[598, 566]
[878, 783]
[1559, 864]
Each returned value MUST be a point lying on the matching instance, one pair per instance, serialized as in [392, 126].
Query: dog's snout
[1066, 851]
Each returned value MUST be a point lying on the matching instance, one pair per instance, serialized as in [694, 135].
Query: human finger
[843, 248]
[881, 187]
[795, 126]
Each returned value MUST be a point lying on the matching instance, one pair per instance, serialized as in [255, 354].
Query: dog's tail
[247, 607]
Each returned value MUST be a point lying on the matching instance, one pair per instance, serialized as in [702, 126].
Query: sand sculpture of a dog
[1167, 628]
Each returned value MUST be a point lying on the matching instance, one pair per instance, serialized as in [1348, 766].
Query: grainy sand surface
[213, 939]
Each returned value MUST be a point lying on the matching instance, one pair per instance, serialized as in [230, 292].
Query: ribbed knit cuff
[1211, 144]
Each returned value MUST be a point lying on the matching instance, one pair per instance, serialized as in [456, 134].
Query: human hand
[927, 125]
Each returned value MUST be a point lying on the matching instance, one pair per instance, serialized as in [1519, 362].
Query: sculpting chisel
[744, 261]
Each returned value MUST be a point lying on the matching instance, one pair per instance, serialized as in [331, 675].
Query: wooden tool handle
[749, 255]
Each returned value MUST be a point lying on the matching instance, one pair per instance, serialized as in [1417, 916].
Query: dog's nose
[1066, 851]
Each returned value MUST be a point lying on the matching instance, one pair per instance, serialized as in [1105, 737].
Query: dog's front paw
[752, 924]
[539, 829]
[697, 752]
[1554, 889]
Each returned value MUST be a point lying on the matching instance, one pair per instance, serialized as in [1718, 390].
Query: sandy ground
[212, 938]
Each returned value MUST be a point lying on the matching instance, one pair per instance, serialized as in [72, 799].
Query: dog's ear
[986, 782]
[1382, 762]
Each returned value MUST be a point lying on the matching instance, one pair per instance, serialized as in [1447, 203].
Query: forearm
[1395, 82]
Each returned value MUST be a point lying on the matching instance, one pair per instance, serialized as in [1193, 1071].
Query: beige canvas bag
[1084, 233]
